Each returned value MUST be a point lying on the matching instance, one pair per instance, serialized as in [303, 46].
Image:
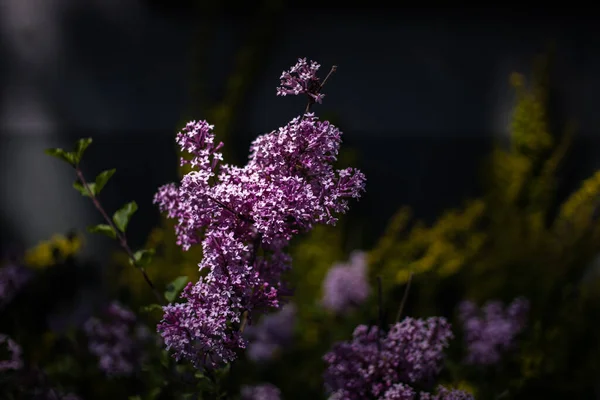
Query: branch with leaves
[115, 227]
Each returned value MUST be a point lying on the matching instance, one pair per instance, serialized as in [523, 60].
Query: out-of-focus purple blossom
[273, 332]
[491, 330]
[264, 391]
[247, 216]
[13, 353]
[399, 391]
[444, 393]
[301, 78]
[411, 352]
[116, 339]
[12, 279]
[345, 285]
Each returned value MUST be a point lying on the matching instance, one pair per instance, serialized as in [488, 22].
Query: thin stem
[380, 301]
[120, 236]
[331, 71]
[380, 308]
[404, 298]
[311, 101]
[244, 321]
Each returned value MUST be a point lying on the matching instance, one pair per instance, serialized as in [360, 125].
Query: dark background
[421, 93]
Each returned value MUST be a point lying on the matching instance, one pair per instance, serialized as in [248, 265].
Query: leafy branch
[116, 226]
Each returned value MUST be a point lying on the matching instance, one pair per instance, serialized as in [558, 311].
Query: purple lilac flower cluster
[266, 391]
[386, 366]
[116, 340]
[491, 330]
[345, 285]
[273, 332]
[14, 353]
[301, 79]
[12, 279]
[244, 218]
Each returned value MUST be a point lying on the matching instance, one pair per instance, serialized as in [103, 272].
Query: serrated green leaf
[122, 216]
[82, 144]
[104, 229]
[175, 287]
[62, 155]
[102, 179]
[143, 257]
[81, 189]
[151, 307]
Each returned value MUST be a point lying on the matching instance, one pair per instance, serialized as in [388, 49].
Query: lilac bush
[245, 217]
[273, 332]
[491, 330]
[116, 340]
[345, 285]
[388, 365]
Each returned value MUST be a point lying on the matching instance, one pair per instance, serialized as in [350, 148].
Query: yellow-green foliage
[446, 246]
[49, 252]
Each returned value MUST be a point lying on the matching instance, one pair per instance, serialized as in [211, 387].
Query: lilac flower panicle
[410, 352]
[12, 280]
[244, 218]
[346, 285]
[14, 352]
[273, 332]
[116, 340]
[301, 79]
[264, 391]
[491, 330]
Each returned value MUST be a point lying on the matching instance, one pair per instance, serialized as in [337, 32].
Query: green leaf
[121, 217]
[143, 257]
[62, 155]
[151, 307]
[81, 189]
[104, 229]
[82, 144]
[95, 187]
[175, 287]
[102, 179]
